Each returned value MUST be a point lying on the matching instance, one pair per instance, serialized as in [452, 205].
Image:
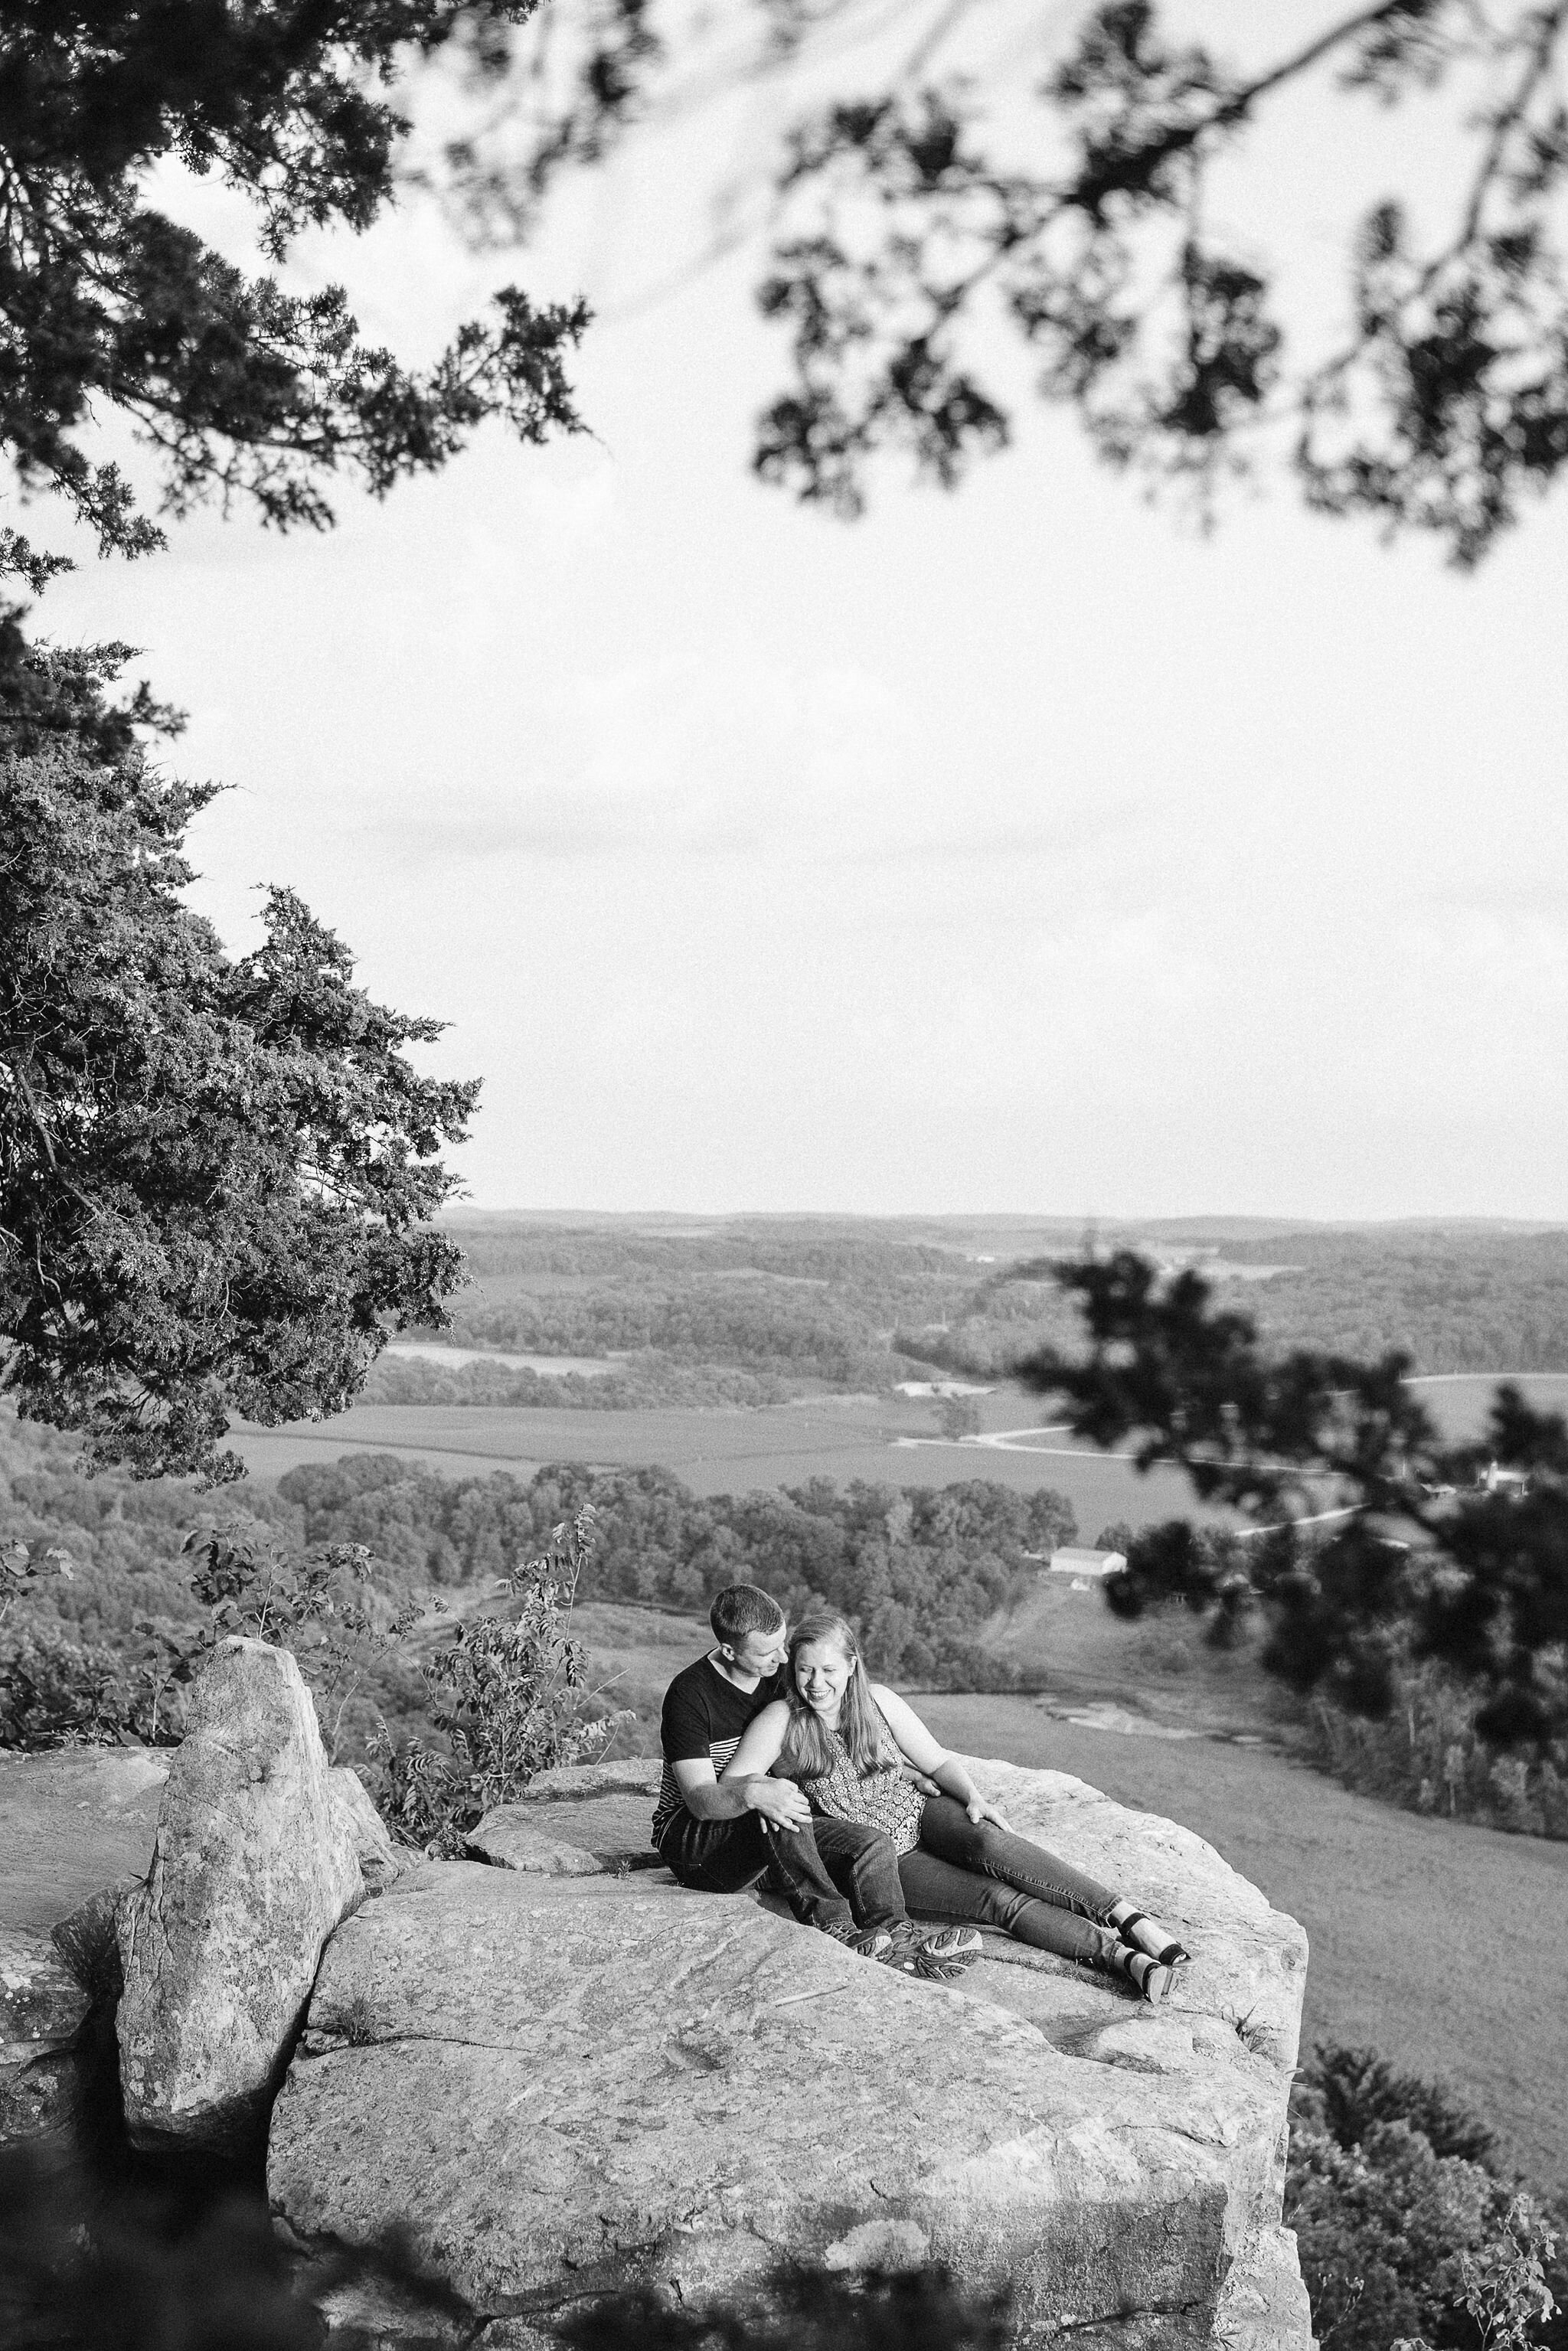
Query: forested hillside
[754, 1310]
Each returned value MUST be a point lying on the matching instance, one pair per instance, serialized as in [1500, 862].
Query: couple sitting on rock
[784, 1761]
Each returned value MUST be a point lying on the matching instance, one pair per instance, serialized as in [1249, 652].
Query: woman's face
[821, 1676]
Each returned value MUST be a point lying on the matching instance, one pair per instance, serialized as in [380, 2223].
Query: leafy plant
[23, 1564]
[55, 1692]
[507, 1696]
[1503, 2286]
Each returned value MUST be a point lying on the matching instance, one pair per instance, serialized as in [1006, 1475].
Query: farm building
[1072, 1561]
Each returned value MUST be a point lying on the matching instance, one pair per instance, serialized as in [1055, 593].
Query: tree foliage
[1067, 196]
[215, 1171]
[236, 389]
[239, 389]
[1419, 1561]
[1410, 2229]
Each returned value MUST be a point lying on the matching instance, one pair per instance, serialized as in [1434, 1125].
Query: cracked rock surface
[254, 1864]
[561, 2084]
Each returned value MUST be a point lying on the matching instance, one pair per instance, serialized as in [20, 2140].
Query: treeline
[640, 1383]
[1410, 2228]
[765, 1326]
[919, 1570]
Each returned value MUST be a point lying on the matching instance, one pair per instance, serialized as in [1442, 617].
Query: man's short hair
[741, 1609]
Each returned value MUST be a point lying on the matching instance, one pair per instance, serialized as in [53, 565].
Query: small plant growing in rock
[507, 1694]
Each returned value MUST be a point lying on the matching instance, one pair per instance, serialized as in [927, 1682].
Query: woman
[852, 1743]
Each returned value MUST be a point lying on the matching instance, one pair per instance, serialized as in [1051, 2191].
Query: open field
[1457, 1401]
[887, 1440]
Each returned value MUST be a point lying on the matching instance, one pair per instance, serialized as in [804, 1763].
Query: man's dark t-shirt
[703, 1718]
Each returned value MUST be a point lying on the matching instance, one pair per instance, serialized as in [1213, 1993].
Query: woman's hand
[978, 1809]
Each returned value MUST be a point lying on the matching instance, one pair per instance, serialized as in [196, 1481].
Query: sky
[1018, 850]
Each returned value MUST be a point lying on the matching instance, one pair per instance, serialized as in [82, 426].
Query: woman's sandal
[1156, 1939]
[1152, 1978]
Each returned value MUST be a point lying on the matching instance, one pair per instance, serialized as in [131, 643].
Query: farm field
[1458, 1402]
[888, 1440]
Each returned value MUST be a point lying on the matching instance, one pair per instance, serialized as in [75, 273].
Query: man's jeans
[972, 1869]
[832, 1873]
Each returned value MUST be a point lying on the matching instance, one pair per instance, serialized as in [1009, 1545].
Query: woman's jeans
[832, 1874]
[972, 1869]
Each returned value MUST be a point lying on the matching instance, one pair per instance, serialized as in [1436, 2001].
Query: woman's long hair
[808, 1751]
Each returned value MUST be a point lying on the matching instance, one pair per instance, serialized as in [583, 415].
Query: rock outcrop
[575, 1820]
[254, 1864]
[558, 2084]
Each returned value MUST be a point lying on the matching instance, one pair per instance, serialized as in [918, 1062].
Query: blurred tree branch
[1071, 207]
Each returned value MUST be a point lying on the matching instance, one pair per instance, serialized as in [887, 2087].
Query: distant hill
[754, 1310]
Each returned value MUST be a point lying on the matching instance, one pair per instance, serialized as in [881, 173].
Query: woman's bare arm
[928, 1755]
[761, 1743]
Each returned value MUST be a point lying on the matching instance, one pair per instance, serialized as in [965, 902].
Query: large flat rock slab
[558, 2086]
[71, 1822]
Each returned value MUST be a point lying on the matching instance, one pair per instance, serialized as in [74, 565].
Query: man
[721, 1836]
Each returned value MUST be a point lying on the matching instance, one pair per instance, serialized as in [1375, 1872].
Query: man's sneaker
[871, 1943]
[901, 1946]
[944, 1957]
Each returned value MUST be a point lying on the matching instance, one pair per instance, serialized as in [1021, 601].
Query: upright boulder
[381, 1859]
[254, 1864]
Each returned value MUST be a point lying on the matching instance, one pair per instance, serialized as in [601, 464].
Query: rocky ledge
[547, 2070]
[560, 2077]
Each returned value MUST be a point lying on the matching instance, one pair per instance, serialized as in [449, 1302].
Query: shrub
[57, 1692]
[1346, 2092]
[508, 1696]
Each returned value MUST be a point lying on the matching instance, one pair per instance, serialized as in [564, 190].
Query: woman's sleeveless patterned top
[884, 1800]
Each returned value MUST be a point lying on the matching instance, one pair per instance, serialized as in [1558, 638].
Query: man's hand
[779, 1802]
